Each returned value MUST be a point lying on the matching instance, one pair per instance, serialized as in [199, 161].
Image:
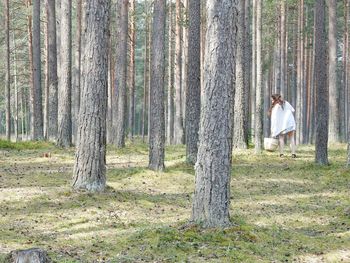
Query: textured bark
[259, 82]
[146, 83]
[131, 76]
[121, 72]
[170, 119]
[77, 70]
[332, 73]
[239, 131]
[37, 114]
[178, 132]
[64, 136]
[157, 121]
[247, 76]
[321, 85]
[90, 161]
[211, 201]
[283, 47]
[253, 70]
[15, 82]
[52, 71]
[8, 69]
[193, 91]
[184, 64]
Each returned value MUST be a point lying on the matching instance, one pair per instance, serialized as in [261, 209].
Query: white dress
[282, 119]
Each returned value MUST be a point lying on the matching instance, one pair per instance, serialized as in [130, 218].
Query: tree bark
[322, 104]
[253, 73]
[77, 70]
[64, 136]
[16, 87]
[193, 91]
[179, 132]
[37, 114]
[239, 136]
[157, 121]
[121, 72]
[283, 47]
[132, 70]
[259, 82]
[52, 71]
[8, 69]
[170, 120]
[332, 73]
[211, 201]
[90, 161]
[146, 81]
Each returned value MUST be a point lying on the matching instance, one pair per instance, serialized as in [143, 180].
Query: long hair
[276, 99]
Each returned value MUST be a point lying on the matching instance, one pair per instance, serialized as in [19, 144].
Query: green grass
[282, 210]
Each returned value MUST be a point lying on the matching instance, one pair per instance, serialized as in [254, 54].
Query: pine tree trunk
[332, 73]
[179, 132]
[15, 82]
[248, 68]
[211, 201]
[253, 73]
[170, 120]
[283, 51]
[184, 29]
[322, 110]
[146, 83]
[90, 161]
[259, 82]
[37, 114]
[77, 70]
[64, 136]
[157, 120]
[121, 72]
[193, 91]
[239, 138]
[8, 69]
[132, 70]
[52, 71]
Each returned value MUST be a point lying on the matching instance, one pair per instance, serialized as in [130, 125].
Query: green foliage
[25, 145]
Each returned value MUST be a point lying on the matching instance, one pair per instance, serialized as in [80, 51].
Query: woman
[282, 122]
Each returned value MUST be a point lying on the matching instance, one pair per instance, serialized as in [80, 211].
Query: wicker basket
[270, 144]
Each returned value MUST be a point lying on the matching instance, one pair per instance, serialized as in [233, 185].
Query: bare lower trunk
[211, 201]
[121, 72]
[239, 138]
[193, 91]
[179, 132]
[145, 84]
[64, 136]
[259, 82]
[321, 85]
[157, 121]
[90, 161]
[8, 70]
[170, 120]
[37, 114]
[132, 70]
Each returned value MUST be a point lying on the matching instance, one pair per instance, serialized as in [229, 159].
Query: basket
[270, 144]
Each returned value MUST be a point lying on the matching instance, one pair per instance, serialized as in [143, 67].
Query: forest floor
[283, 210]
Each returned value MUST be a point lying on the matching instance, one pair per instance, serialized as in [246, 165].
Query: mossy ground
[283, 210]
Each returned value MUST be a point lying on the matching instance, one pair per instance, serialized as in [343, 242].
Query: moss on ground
[283, 210]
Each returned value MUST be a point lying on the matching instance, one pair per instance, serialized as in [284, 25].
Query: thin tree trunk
[77, 69]
[121, 71]
[52, 128]
[322, 103]
[332, 73]
[37, 114]
[346, 73]
[179, 132]
[157, 121]
[259, 82]
[47, 86]
[184, 59]
[90, 161]
[239, 138]
[283, 51]
[16, 86]
[132, 70]
[211, 202]
[146, 83]
[253, 84]
[64, 137]
[193, 91]
[170, 123]
[248, 68]
[8, 70]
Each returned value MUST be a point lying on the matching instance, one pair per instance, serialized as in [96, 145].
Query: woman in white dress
[282, 122]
